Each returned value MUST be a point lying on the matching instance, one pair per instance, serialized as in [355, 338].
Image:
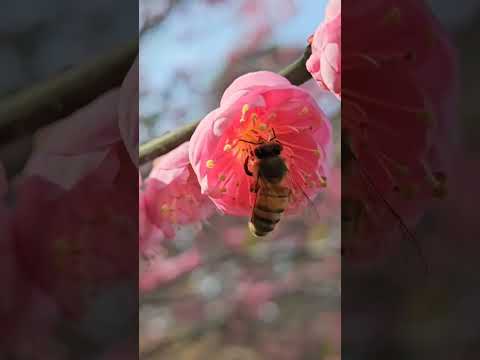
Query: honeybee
[272, 196]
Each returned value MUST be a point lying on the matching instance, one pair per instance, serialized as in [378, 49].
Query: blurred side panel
[68, 179]
[409, 174]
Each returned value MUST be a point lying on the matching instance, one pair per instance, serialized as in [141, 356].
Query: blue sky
[197, 39]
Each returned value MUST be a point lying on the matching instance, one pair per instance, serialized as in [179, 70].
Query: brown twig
[296, 73]
[26, 111]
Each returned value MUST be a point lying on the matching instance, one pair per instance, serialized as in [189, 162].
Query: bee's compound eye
[258, 152]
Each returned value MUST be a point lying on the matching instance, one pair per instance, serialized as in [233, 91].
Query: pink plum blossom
[78, 245]
[128, 111]
[66, 152]
[172, 194]
[325, 62]
[256, 107]
[149, 234]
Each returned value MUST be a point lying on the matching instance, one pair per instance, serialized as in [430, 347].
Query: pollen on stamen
[245, 109]
[262, 127]
[165, 208]
[227, 148]
[210, 164]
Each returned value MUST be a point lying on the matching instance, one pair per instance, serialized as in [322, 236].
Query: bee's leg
[245, 167]
[274, 135]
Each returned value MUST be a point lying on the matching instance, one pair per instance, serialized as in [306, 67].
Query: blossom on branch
[172, 194]
[256, 107]
[325, 62]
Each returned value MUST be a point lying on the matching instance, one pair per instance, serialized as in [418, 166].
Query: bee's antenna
[274, 135]
[249, 142]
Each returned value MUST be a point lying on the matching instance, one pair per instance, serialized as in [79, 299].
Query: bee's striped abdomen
[271, 203]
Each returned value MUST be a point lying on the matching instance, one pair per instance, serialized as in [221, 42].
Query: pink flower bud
[259, 107]
[325, 62]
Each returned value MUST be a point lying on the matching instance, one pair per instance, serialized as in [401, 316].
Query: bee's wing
[298, 194]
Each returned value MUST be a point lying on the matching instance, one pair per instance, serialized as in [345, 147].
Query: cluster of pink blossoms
[186, 185]
[398, 102]
[169, 198]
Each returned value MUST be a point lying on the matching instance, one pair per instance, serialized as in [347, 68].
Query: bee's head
[267, 150]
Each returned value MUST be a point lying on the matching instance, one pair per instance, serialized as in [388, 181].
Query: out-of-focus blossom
[257, 107]
[15, 295]
[77, 245]
[162, 270]
[172, 194]
[325, 62]
[253, 295]
[33, 335]
[400, 136]
[69, 150]
[128, 111]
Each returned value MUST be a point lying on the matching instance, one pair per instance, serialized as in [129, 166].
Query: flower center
[254, 130]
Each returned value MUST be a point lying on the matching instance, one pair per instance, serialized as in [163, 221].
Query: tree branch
[296, 73]
[29, 110]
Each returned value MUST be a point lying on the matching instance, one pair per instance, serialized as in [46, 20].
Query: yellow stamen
[165, 209]
[227, 147]
[210, 164]
[245, 109]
